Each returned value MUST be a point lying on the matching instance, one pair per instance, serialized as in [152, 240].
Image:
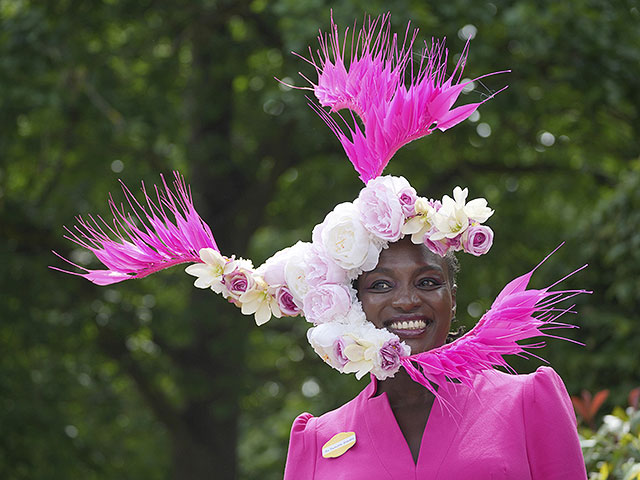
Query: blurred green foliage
[153, 379]
[613, 450]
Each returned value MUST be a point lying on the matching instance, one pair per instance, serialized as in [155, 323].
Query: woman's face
[410, 294]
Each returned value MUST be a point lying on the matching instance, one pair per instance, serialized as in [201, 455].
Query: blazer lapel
[389, 443]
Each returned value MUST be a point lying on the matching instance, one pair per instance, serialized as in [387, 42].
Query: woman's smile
[411, 326]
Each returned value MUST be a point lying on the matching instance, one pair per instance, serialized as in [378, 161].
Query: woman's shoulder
[542, 383]
[500, 378]
[308, 433]
[301, 423]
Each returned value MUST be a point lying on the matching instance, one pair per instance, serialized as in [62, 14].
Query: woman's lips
[407, 328]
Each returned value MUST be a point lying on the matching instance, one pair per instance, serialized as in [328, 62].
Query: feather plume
[372, 86]
[146, 241]
[517, 314]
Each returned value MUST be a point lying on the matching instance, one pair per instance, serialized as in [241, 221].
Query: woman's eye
[380, 285]
[428, 282]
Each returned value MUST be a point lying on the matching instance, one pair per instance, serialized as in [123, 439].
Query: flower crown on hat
[314, 278]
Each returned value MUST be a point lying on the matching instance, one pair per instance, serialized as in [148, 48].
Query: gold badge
[339, 443]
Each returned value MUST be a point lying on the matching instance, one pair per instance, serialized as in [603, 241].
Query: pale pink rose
[238, 282]
[380, 210]
[286, 302]
[321, 269]
[273, 272]
[273, 269]
[477, 240]
[390, 354]
[408, 197]
[325, 302]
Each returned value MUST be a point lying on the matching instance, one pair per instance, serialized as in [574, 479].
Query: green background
[155, 379]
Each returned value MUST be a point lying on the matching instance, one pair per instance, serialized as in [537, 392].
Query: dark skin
[410, 293]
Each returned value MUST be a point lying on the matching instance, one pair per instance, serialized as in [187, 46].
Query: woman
[511, 427]
[432, 410]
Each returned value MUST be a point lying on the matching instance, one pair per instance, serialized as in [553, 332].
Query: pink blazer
[516, 427]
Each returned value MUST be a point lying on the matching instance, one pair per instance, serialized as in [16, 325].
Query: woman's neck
[411, 405]
[402, 390]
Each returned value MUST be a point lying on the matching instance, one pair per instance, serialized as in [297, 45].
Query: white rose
[355, 315]
[295, 271]
[345, 240]
[329, 340]
[323, 336]
[273, 268]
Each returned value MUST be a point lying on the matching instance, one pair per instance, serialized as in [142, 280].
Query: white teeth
[410, 325]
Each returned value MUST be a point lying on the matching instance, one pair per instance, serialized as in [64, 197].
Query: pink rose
[390, 355]
[238, 282]
[380, 210]
[477, 240]
[408, 197]
[439, 247]
[325, 302]
[454, 243]
[338, 352]
[286, 302]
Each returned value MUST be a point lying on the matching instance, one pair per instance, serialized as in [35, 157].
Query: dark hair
[453, 267]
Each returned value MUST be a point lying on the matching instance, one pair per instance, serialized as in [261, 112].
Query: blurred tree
[160, 380]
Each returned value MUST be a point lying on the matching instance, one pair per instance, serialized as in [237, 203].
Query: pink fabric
[513, 427]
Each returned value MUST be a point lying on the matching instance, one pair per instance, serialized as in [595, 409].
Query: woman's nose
[405, 298]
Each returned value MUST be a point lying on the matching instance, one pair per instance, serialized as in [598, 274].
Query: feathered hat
[396, 101]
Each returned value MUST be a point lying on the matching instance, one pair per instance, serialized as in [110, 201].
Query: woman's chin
[421, 345]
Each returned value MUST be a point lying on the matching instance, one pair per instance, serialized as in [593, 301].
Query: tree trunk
[204, 443]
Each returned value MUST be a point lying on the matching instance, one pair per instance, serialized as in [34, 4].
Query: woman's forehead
[405, 252]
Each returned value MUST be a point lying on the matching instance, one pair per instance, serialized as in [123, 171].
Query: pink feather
[147, 241]
[372, 86]
[517, 314]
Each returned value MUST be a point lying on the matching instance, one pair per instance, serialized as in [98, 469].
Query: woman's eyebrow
[391, 270]
[379, 270]
[431, 267]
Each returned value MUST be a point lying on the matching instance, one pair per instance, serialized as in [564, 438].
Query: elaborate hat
[396, 101]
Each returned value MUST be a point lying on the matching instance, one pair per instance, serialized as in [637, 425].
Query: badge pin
[339, 444]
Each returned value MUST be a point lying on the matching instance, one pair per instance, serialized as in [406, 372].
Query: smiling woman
[503, 427]
[411, 293]
[432, 410]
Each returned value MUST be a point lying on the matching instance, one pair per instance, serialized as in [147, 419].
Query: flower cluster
[314, 278]
[358, 347]
[451, 224]
[237, 281]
